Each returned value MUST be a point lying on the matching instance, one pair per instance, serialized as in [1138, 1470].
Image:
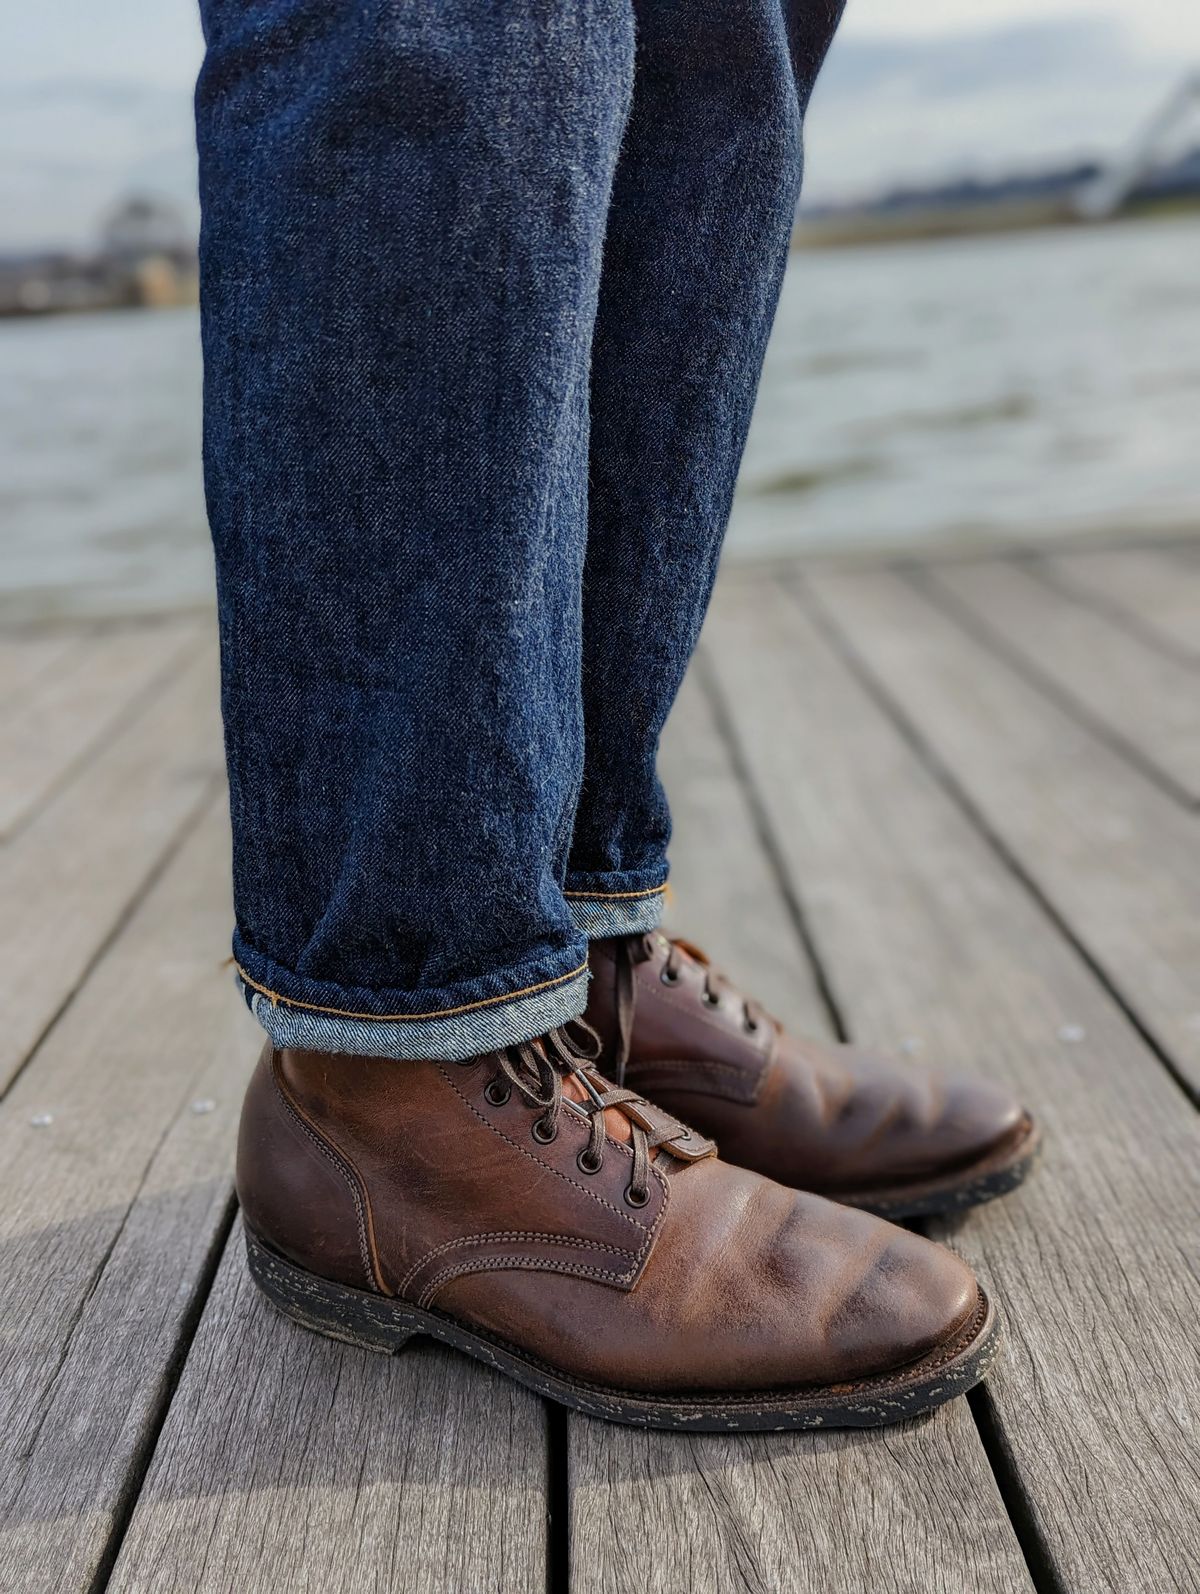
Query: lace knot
[536, 1071]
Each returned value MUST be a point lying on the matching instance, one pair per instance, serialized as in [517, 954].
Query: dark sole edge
[380, 1323]
[968, 1187]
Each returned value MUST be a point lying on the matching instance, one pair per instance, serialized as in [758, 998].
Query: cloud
[967, 63]
[888, 109]
[73, 146]
[897, 109]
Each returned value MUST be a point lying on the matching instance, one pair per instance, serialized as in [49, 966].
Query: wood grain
[724, 891]
[292, 1463]
[77, 866]
[1118, 859]
[1142, 699]
[1148, 589]
[911, 1509]
[928, 934]
[115, 1148]
[50, 726]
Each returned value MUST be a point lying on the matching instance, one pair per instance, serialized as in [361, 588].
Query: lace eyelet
[711, 999]
[497, 1093]
[751, 1026]
[636, 1198]
[544, 1132]
[587, 1163]
[669, 977]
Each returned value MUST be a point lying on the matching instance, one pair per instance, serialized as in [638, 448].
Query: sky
[95, 98]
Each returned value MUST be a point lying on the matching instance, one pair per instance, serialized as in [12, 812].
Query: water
[1028, 385]
[100, 490]
[954, 391]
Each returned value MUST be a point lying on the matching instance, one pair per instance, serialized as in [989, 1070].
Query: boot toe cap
[920, 1123]
[915, 1297]
[979, 1116]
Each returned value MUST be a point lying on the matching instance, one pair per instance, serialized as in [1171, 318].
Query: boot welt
[1002, 1169]
[381, 1323]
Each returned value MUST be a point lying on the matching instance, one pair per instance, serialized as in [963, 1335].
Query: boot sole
[381, 1323]
[995, 1175]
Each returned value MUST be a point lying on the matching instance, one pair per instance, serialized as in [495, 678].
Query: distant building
[145, 258]
[144, 225]
[1137, 178]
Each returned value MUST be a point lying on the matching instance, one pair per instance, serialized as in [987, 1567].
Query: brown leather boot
[888, 1136]
[594, 1249]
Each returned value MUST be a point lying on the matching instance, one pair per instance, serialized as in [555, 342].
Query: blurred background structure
[988, 332]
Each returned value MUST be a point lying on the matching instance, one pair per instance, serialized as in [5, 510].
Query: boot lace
[536, 1071]
[636, 949]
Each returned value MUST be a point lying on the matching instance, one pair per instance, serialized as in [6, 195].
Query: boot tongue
[689, 948]
[615, 1122]
[581, 1084]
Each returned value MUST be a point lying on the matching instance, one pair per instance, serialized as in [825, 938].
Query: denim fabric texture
[485, 289]
[455, 1035]
[622, 913]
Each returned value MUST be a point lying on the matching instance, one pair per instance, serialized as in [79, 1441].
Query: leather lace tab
[535, 1069]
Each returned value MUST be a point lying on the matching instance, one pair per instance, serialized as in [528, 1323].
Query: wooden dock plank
[51, 724]
[1144, 700]
[928, 934]
[87, 853]
[290, 1463]
[916, 1508]
[115, 1145]
[725, 893]
[27, 656]
[1118, 859]
[1151, 589]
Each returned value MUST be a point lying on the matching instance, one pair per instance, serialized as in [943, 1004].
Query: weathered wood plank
[115, 1145]
[1153, 590]
[1144, 700]
[725, 894]
[67, 711]
[26, 657]
[112, 1209]
[928, 934]
[291, 1462]
[912, 1509]
[1119, 860]
[76, 866]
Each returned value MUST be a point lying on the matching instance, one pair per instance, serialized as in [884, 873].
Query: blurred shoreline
[145, 255]
[853, 229]
[69, 283]
[144, 258]
[1002, 392]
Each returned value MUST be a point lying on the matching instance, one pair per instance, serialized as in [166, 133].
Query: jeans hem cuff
[602, 915]
[449, 1037]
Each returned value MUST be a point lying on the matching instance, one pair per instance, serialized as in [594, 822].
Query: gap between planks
[85, 859]
[1146, 590]
[897, 1510]
[1142, 702]
[927, 933]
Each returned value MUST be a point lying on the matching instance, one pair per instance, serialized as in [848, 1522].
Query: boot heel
[372, 1322]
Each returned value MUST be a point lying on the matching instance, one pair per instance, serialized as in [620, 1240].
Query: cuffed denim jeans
[486, 286]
